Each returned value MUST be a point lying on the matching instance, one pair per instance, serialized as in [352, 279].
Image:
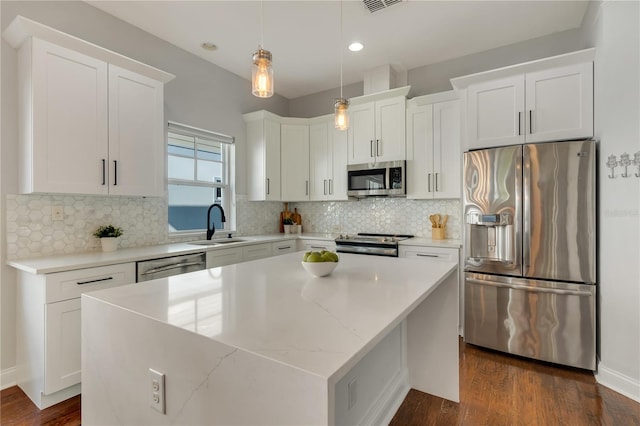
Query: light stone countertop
[273, 308]
[67, 262]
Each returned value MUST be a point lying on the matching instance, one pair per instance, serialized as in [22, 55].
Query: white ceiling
[304, 36]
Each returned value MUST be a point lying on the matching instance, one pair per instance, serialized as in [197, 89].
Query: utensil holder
[438, 233]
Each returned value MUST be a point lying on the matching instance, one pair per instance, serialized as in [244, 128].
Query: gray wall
[435, 78]
[615, 31]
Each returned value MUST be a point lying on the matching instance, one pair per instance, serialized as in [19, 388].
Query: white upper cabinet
[559, 103]
[433, 148]
[263, 156]
[63, 108]
[546, 100]
[87, 125]
[495, 112]
[136, 134]
[377, 127]
[327, 161]
[294, 154]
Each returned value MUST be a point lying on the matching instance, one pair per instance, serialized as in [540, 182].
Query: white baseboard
[618, 382]
[7, 378]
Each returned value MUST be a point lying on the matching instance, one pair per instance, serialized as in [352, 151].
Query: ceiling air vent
[376, 5]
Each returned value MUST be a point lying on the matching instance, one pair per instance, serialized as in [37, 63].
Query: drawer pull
[426, 255]
[94, 281]
[284, 248]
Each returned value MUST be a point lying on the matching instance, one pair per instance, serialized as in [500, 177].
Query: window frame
[227, 161]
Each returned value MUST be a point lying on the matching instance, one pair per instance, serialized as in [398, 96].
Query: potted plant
[287, 223]
[108, 235]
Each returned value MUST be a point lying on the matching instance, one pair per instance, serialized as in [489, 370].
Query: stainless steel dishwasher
[147, 270]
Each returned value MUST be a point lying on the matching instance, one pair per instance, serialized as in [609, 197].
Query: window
[199, 170]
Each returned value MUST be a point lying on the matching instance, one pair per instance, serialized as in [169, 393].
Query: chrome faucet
[211, 227]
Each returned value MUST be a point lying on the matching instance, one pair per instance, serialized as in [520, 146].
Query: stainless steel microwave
[377, 179]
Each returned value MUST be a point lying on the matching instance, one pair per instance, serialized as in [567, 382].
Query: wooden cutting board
[284, 215]
[297, 218]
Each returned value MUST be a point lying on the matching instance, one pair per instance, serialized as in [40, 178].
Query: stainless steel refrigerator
[530, 251]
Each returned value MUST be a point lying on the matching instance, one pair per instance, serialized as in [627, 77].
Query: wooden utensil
[437, 219]
[444, 221]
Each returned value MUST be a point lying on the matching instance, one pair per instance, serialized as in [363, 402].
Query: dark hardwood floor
[495, 389]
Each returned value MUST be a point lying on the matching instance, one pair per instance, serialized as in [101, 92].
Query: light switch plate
[57, 213]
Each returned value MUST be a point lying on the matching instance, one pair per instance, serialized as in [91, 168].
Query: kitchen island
[263, 342]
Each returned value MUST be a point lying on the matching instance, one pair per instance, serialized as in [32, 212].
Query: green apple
[314, 257]
[306, 256]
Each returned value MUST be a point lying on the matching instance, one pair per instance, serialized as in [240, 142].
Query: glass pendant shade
[262, 74]
[341, 114]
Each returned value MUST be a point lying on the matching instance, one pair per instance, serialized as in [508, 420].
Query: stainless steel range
[374, 244]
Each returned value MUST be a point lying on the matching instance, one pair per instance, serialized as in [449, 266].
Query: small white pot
[109, 243]
[287, 229]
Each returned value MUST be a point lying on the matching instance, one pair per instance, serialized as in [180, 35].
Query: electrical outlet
[157, 391]
[57, 213]
[352, 392]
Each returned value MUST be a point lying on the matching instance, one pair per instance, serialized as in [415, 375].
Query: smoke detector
[376, 5]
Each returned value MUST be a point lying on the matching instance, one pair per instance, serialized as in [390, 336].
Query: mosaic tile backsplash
[31, 232]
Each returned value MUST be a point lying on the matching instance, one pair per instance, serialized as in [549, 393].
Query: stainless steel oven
[373, 244]
[376, 179]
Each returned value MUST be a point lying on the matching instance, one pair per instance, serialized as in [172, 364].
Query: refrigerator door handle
[526, 220]
[529, 288]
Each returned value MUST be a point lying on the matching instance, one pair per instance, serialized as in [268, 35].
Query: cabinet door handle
[325, 187]
[115, 172]
[377, 147]
[429, 183]
[306, 187]
[437, 187]
[268, 187]
[519, 123]
[371, 148]
[530, 121]
[330, 186]
[94, 281]
[104, 172]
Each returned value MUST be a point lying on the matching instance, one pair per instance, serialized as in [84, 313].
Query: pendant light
[261, 69]
[341, 105]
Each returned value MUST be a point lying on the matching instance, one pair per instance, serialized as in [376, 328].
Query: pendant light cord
[340, 49]
[261, 24]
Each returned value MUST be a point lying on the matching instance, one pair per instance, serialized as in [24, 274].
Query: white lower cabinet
[48, 328]
[62, 345]
[256, 251]
[283, 247]
[222, 257]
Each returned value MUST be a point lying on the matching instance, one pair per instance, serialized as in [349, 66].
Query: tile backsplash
[379, 215]
[31, 232]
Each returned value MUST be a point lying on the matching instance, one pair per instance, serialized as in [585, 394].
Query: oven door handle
[529, 288]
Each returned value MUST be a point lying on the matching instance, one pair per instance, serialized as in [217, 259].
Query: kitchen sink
[216, 242]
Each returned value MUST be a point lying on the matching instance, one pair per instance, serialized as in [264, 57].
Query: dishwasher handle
[529, 288]
[170, 267]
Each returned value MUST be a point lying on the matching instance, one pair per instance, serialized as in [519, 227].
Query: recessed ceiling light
[209, 46]
[356, 46]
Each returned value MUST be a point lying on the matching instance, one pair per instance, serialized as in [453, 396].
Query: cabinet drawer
[71, 284]
[229, 256]
[256, 251]
[283, 247]
[437, 253]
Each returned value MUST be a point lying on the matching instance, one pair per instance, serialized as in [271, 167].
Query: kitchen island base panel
[432, 342]
[207, 382]
[281, 349]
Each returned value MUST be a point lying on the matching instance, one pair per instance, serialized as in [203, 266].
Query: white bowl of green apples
[320, 263]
